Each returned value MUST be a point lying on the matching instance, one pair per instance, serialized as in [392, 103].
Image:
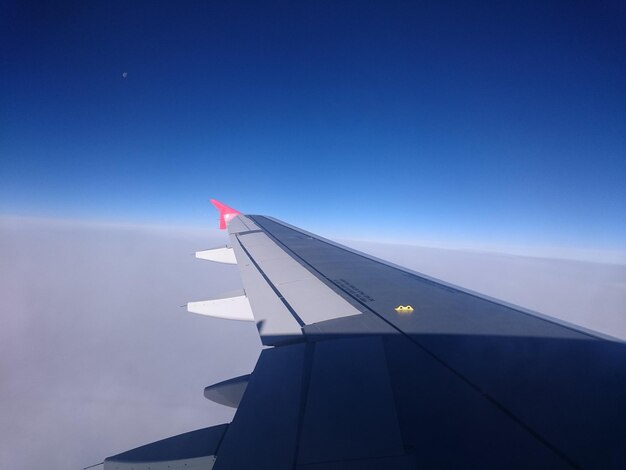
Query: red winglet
[226, 213]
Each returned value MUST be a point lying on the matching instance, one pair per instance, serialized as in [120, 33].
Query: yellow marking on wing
[404, 309]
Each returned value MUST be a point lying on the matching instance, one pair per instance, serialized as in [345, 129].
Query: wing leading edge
[351, 381]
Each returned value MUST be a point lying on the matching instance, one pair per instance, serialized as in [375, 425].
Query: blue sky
[499, 122]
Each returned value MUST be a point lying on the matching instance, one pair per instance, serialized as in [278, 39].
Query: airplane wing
[369, 365]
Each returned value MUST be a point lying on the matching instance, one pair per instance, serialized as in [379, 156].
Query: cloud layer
[97, 357]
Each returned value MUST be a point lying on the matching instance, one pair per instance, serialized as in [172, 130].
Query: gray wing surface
[350, 382]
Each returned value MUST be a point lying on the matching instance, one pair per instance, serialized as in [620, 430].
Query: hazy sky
[487, 121]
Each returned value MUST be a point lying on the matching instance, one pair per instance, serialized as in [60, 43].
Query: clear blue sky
[485, 120]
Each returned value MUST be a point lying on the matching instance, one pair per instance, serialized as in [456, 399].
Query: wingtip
[226, 213]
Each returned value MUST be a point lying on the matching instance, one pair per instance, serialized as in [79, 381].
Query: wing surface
[373, 366]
